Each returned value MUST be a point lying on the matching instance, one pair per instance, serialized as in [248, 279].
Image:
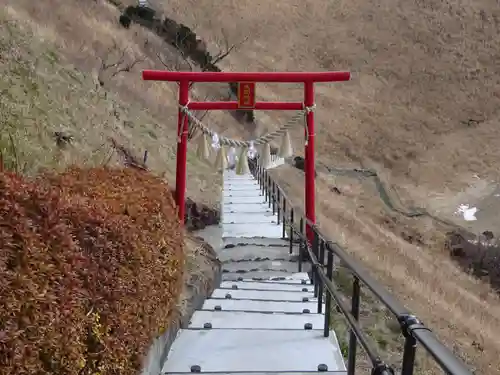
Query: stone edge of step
[158, 353]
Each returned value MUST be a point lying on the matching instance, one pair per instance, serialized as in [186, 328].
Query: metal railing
[413, 331]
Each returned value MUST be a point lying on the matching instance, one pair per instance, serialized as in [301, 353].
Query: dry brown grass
[464, 312]
[422, 71]
[49, 62]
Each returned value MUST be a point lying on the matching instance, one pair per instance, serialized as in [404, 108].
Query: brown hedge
[90, 269]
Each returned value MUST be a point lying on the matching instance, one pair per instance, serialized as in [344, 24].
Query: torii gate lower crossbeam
[307, 78]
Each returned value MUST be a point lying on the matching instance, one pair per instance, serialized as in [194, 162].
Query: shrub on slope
[90, 269]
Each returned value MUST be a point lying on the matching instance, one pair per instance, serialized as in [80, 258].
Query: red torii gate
[245, 101]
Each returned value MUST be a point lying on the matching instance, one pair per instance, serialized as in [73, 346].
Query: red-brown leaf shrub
[90, 270]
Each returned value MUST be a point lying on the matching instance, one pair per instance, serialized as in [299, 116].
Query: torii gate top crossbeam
[286, 77]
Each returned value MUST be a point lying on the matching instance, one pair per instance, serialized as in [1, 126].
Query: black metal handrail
[412, 329]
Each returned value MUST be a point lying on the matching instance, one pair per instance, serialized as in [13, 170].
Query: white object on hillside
[143, 3]
[468, 213]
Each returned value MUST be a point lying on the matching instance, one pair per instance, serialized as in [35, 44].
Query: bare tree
[182, 63]
[179, 64]
[225, 47]
[114, 62]
[199, 54]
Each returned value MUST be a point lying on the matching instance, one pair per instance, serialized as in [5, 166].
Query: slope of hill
[421, 108]
[425, 90]
[52, 56]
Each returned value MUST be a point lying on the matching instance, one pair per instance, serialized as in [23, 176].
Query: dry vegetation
[91, 267]
[463, 311]
[421, 109]
[52, 55]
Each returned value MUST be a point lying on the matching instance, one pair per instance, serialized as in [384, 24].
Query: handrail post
[328, 297]
[262, 171]
[262, 179]
[273, 196]
[278, 198]
[264, 187]
[291, 230]
[321, 258]
[315, 250]
[351, 358]
[321, 261]
[269, 190]
[284, 216]
[410, 345]
[301, 244]
[320, 282]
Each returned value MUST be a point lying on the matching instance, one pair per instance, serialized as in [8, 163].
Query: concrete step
[240, 229]
[252, 252]
[241, 200]
[256, 285]
[264, 295]
[240, 180]
[235, 186]
[243, 185]
[249, 216]
[279, 277]
[256, 276]
[261, 306]
[254, 240]
[235, 177]
[231, 173]
[253, 320]
[250, 219]
[246, 207]
[243, 193]
[268, 373]
[239, 350]
[264, 265]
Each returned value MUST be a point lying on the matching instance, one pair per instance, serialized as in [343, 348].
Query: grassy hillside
[51, 55]
[421, 108]
[424, 96]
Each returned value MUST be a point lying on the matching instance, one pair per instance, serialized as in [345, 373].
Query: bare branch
[127, 67]
[162, 62]
[116, 66]
[227, 48]
[177, 65]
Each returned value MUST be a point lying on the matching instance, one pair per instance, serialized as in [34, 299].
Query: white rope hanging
[247, 148]
[258, 141]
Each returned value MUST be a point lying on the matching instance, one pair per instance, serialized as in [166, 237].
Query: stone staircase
[262, 319]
